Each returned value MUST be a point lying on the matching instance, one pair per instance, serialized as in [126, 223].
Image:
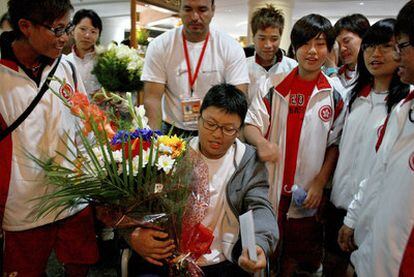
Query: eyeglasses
[400, 46]
[85, 30]
[211, 126]
[384, 48]
[58, 31]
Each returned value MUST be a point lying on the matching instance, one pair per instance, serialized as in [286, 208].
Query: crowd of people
[320, 149]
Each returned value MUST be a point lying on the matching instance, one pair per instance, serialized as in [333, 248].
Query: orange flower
[90, 114]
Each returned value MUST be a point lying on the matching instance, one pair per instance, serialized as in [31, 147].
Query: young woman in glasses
[377, 89]
[88, 28]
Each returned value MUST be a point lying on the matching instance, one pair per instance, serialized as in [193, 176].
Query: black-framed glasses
[384, 48]
[400, 46]
[58, 31]
[211, 126]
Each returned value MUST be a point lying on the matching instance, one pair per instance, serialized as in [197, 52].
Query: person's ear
[25, 26]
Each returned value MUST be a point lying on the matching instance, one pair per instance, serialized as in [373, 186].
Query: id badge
[191, 110]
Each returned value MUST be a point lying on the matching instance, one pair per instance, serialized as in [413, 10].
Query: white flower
[165, 163]
[140, 112]
[97, 151]
[132, 66]
[117, 156]
[99, 49]
[146, 156]
[135, 166]
[122, 52]
[164, 149]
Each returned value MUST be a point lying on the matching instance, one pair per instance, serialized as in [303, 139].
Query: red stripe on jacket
[6, 150]
[407, 263]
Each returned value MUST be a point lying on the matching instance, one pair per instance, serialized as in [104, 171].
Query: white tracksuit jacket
[321, 128]
[357, 147]
[43, 133]
[382, 212]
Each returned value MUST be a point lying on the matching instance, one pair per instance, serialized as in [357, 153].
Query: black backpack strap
[32, 105]
[75, 79]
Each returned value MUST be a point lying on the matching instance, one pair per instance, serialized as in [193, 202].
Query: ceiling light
[361, 3]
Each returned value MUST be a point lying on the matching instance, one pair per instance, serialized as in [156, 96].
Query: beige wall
[3, 6]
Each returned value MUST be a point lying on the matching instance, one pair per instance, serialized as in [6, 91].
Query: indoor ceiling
[231, 15]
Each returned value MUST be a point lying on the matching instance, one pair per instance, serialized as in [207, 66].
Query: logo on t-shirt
[411, 161]
[325, 113]
[66, 91]
[297, 103]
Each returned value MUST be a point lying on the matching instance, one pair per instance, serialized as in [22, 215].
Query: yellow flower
[177, 145]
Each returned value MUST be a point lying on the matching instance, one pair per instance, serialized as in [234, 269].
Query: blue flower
[123, 136]
[120, 136]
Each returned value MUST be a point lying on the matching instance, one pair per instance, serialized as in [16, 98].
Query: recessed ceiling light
[361, 3]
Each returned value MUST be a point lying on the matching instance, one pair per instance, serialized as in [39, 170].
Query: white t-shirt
[357, 148]
[219, 174]
[85, 67]
[258, 74]
[224, 61]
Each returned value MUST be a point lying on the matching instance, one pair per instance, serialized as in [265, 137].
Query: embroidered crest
[66, 91]
[325, 113]
[411, 161]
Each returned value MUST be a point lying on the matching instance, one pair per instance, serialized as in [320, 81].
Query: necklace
[35, 68]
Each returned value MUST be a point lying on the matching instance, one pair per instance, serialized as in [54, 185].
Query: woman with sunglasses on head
[88, 28]
[377, 89]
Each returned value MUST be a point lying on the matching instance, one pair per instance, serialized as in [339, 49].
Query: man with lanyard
[181, 65]
[267, 27]
[380, 218]
[31, 55]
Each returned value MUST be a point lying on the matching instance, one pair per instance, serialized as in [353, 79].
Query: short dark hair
[92, 15]
[379, 33]
[212, 2]
[405, 21]
[309, 27]
[5, 17]
[266, 17]
[39, 11]
[355, 23]
[226, 97]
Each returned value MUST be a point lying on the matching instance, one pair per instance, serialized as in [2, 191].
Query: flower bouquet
[118, 68]
[135, 176]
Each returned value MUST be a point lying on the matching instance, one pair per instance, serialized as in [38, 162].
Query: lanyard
[192, 78]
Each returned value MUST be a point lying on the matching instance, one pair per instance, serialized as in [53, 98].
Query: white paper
[247, 234]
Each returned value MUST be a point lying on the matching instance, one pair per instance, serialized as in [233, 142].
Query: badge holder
[190, 107]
